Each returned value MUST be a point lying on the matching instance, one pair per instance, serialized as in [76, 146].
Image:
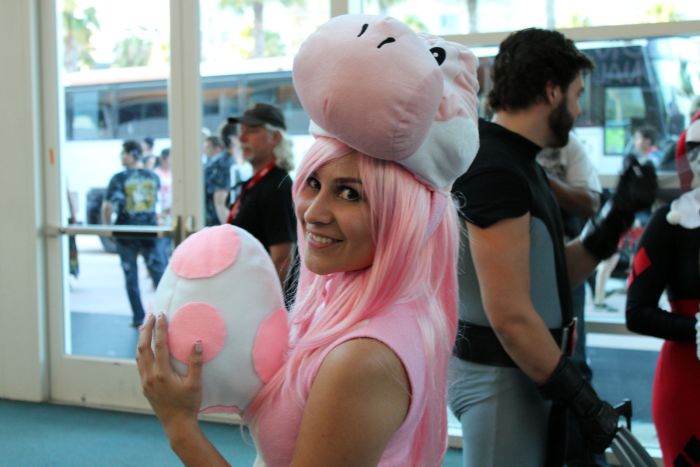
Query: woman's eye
[313, 183]
[349, 194]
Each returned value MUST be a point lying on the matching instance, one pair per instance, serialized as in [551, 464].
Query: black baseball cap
[262, 114]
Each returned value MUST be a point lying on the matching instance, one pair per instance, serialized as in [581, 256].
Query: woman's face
[335, 218]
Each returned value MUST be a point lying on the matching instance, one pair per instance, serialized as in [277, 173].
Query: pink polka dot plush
[221, 288]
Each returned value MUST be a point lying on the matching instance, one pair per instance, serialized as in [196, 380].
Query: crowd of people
[428, 258]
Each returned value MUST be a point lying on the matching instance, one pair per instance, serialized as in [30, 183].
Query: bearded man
[512, 381]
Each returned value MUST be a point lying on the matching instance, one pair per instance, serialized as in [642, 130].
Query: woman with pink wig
[375, 317]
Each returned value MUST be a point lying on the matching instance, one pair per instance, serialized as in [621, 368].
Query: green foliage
[273, 46]
[78, 26]
[576, 21]
[415, 23]
[265, 43]
[662, 13]
[132, 51]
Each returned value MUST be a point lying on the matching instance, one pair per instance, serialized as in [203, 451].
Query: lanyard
[251, 183]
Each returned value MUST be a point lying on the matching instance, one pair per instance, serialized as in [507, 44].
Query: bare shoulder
[364, 357]
[358, 400]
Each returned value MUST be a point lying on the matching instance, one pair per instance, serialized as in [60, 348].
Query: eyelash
[344, 192]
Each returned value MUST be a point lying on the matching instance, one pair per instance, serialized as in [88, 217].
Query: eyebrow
[343, 180]
[340, 180]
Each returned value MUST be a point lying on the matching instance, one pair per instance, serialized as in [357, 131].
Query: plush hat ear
[453, 139]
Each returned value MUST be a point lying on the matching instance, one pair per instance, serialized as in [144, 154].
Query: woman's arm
[648, 277]
[175, 399]
[358, 400]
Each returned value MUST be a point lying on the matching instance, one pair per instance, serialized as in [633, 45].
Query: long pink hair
[408, 265]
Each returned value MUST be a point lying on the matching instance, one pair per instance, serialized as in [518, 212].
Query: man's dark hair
[648, 132]
[149, 141]
[228, 130]
[526, 61]
[134, 148]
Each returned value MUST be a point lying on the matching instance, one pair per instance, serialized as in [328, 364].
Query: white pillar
[23, 342]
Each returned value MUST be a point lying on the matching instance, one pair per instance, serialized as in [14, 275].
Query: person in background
[165, 195]
[149, 158]
[645, 145]
[217, 174]
[165, 198]
[667, 260]
[577, 189]
[512, 383]
[133, 195]
[264, 205]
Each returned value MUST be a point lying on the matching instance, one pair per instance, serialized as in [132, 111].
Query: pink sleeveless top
[279, 421]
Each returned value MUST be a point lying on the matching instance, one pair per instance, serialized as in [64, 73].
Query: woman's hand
[175, 399]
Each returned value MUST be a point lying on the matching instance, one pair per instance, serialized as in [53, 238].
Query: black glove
[597, 419]
[636, 191]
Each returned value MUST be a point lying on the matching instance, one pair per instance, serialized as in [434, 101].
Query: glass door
[121, 192]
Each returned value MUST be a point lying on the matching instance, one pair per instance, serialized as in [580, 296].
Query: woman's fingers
[194, 370]
[162, 352]
[144, 354]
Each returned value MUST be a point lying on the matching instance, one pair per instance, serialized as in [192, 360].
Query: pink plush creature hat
[377, 86]
[221, 288]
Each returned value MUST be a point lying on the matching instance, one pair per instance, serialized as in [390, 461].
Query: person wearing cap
[363, 383]
[133, 195]
[512, 380]
[263, 205]
[667, 260]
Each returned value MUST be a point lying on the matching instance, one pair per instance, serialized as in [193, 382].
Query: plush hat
[221, 288]
[380, 88]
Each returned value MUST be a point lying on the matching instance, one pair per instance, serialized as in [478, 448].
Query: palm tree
[132, 51]
[239, 6]
[77, 32]
[473, 9]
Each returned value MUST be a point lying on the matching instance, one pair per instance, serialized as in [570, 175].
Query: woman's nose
[318, 210]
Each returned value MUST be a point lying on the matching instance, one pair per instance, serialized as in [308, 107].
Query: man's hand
[636, 188]
[598, 420]
[636, 191]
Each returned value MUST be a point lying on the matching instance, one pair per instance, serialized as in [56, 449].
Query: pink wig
[408, 265]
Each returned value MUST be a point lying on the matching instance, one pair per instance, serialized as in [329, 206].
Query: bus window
[85, 114]
[624, 110]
